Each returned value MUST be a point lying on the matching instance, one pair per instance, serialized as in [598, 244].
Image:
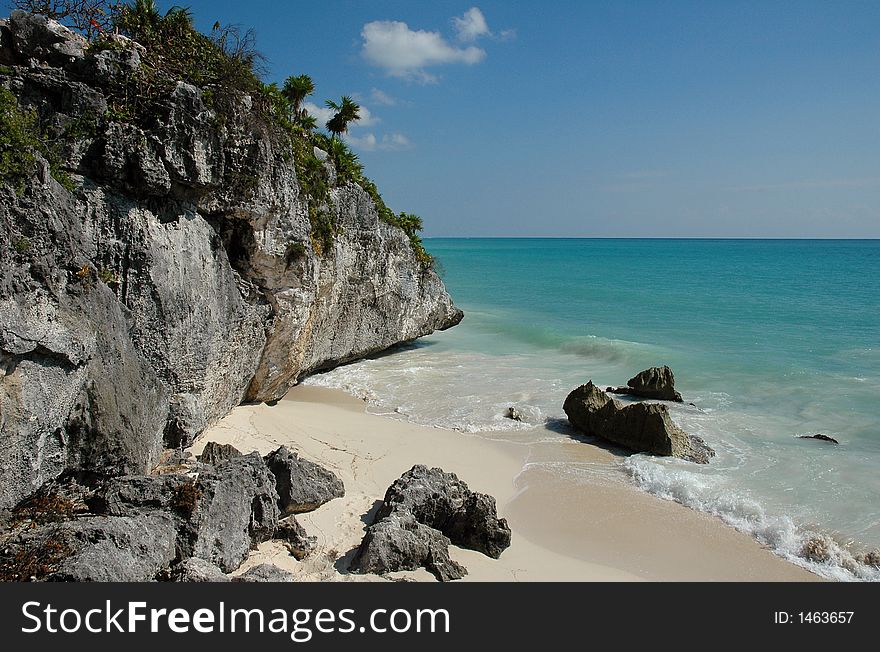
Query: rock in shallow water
[820, 437]
[642, 427]
[656, 382]
[423, 512]
[514, 414]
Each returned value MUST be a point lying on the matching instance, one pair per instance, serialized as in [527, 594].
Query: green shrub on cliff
[20, 139]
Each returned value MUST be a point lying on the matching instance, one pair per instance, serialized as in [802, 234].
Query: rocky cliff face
[171, 276]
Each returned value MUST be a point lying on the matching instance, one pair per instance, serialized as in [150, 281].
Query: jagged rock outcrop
[196, 524]
[92, 549]
[235, 506]
[423, 512]
[641, 427]
[399, 542]
[173, 276]
[214, 453]
[302, 485]
[656, 382]
[294, 537]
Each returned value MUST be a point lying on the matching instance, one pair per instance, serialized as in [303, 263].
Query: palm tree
[346, 111]
[141, 19]
[307, 122]
[179, 17]
[297, 89]
[410, 223]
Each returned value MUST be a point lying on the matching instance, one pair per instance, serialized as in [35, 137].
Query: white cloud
[471, 26]
[382, 98]
[321, 113]
[366, 119]
[369, 143]
[403, 52]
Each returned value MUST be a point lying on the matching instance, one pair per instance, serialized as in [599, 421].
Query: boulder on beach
[229, 509]
[423, 512]
[302, 485]
[656, 382]
[399, 542]
[641, 427]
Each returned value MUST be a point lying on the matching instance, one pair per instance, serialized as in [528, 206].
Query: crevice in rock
[40, 355]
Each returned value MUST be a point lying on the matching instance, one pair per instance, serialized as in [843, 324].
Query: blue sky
[617, 118]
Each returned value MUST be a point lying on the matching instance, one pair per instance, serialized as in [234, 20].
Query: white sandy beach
[561, 532]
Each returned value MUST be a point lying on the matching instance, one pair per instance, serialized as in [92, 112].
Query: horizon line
[639, 237]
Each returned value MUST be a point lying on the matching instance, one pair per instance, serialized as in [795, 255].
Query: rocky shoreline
[198, 519]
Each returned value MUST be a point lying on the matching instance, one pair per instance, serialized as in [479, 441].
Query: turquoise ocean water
[770, 339]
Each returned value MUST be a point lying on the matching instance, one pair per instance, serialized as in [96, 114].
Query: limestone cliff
[171, 275]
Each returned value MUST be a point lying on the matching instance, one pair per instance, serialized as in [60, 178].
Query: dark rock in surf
[641, 427]
[656, 383]
[820, 437]
[513, 414]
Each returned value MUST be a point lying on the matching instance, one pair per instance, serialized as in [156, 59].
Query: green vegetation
[108, 276]
[22, 245]
[347, 111]
[226, 65]
[20, 139]
[296, 89]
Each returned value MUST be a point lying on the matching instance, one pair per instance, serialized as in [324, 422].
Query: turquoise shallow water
[769, 339]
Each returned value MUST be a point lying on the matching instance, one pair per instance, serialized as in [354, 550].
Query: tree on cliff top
[346, 111]
[296, 89]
